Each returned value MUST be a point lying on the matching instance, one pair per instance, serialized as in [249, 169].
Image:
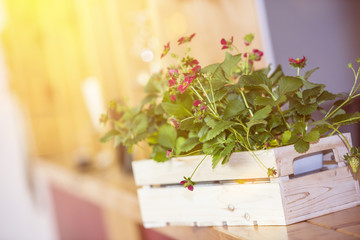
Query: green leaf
[233, 108]
[308, 73]
[306, 109]
[203, 131]
[178, 145]
[289, 84]
[210, 121]
[229, 64]
[216, 157]
[167, 136]
[285, 137]
[313, 92]
[249, 38]
[159, 154]
[140, 124]
[263, 101]
[210, 68]
[218, 80]
[253, 123]
[189, 144]
[152, 85]
[177, 110]
[108, 136]
[301, 146]
[261, 114]
[274, 121]
[228, 149]
[346, 119]
[223, 125]
[312, 136]
[276, 75]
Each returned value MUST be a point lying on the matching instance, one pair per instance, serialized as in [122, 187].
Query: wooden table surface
[103, 189]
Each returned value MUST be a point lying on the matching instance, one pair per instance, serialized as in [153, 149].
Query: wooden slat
[212, 205]
[242, 165]
[346, 221]
[286, 155]
[317, 194]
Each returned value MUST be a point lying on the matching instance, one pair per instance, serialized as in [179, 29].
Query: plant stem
[246, 103]
[198, 166]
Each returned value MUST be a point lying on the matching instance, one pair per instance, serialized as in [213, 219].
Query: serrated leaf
[152, 86]
[276, 75]
[223, 125]
[218, 80]
[308, 73]
[109, 135]
[261, 114]
[228, 149]
[289, 84]
[311, 136]
[167, 136]
[274, 121]
[346, 119]
[263, 101]
[177, 110]
[210, 121]
[159, 154]
[301, 146]
[313, 92]
[216, 157]
[203, 131]
[189, 144]
[229, 64]
[253, 123]
[179, 142]
[210, 68]
[233, 108]
[140, 124]
[306, 109]
[326, 96]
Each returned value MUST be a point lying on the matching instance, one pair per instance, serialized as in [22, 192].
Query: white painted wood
[242, 165]
[317, 194]
[213, 205]
[286, 155]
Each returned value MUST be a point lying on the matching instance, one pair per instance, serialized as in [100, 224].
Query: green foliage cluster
[242, 110]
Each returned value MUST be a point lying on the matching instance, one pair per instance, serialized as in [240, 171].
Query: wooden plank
[212, 205]
[317, 194]
[346, 221]
[286, 155]
[242, 165]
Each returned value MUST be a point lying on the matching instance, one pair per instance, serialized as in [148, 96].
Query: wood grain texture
[346, 221]
[285, 155]
[317, 194]
[242, 165]
[212, 205]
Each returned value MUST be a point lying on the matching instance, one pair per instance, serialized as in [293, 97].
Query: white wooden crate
[218, 199]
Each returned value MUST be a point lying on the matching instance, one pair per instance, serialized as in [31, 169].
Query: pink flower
[185, 84]
[227, 43]
[168, 153]
[183, 182]
[173, 97]
[185, 39]
[196, 102]
[172, 82]
[258, 54]
[166, 50]
[246, 43]
[190, 61]
[203, 108]
[191, 187]
[172, 72]
[176, 123]
[188, 184]
[297, 63]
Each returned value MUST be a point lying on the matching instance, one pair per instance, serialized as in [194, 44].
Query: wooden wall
[52, 46]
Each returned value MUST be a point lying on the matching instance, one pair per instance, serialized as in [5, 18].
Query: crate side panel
[242, 165]
[317, 194]
[212, 205]
[285, 155]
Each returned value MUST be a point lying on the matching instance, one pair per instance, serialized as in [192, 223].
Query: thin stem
[198, 166]
[298, 71]
[246, 104]
[345, 139]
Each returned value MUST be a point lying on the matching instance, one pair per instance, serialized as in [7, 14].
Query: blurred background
[62, 61]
